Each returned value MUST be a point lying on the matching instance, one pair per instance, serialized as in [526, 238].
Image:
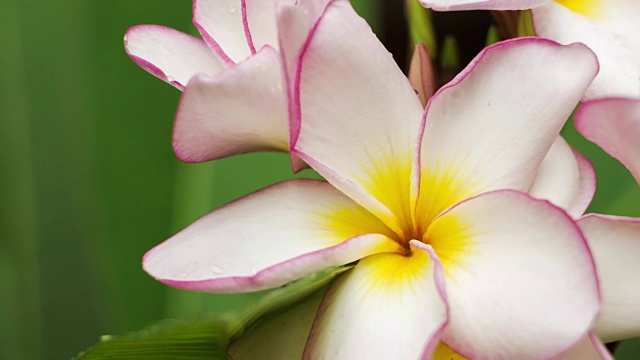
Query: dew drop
[216, 269]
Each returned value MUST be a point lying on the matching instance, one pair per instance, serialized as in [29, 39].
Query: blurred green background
[89, 181]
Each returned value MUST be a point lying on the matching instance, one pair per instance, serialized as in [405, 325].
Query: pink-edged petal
[359, 115]
[260, 19]
[295, 21]
[615, 242]
[269, 238]
[169, 54]
[491, 126]
[566, 178]
[240, 110]
[614, 125]
[281, 337]
[589, 348]
[220, 22]
[458, 5]
[610, 28]
[521, 282]
[390, 306]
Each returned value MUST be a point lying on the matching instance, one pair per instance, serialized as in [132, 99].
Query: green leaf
[208, 336]
[421, 27]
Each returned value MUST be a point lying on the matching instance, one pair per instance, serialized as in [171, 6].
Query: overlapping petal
[169, 54]
[589, 348]
[488, 129]
[609, 28]
[521, 282]
[240, 110]
[457, 5]
[359, 113]
[566, 178]
[269, 238]
[390, 306]
[221, 25]
[614, 125]
[615, 242]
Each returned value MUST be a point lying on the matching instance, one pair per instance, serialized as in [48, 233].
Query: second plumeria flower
[609, 27]
[235, 97]
[449, 246]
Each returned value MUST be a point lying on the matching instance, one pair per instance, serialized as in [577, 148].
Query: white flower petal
[269, 238]
[614, 125]
[615, 243]
[610, 28]
[390, 306]
[359, 115]
[457, 5]
[566, 178]
[238, 111]
[492, 126]
[169, 54]
[521, 282]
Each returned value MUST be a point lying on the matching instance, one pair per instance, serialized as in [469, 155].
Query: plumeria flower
[610, 28]
[234, 98]
[614, 125]
[450, 248]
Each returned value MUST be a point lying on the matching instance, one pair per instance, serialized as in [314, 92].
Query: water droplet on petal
[216, 269]
[232, 10]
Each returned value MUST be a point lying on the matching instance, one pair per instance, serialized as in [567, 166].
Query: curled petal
[269, 238]
[169, 54]
[521, 282]
[390, 306]
[615, 242]
[566, 178]
[238, 111]
[614, 125]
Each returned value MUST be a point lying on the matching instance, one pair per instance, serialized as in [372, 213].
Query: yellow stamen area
[440, 188]
[443, 352]
[389, 272]
[389, 181]
[452, 239]
[589, 8]
[347, 221]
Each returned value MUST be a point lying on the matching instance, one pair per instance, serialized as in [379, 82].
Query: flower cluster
[460, 214]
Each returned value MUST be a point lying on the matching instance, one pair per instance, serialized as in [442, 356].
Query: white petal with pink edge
[359, 115]
[169, 54]
[521, 282]
[260, 20]
[240, 110]
[221, 25]
[269, 238]
[615, 243]
[610, 29]
[281, 337]
[457, 5]
[491, 126]
[589, 348]
[390, 306]
[614, 125]
[566, 178]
